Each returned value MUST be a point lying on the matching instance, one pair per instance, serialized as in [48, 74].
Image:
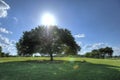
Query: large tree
[47, 40]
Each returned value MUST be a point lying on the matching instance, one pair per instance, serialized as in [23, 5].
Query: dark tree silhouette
[100, 53]
[1, 52]
[47, 40]
[109, 51]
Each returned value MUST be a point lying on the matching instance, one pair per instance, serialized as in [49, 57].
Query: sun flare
[48, 19]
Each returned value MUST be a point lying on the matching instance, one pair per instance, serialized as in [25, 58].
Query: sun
[48, 19]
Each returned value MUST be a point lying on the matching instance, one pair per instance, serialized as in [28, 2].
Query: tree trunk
[51, 57]
[110, 54]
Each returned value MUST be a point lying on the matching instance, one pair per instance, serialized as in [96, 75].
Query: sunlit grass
[62, 68]
[114, 62]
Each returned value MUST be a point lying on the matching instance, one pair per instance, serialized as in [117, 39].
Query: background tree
[0, 49]
[1, 53]
[109, 51]
[6, 54]
[95, 53]
[88, 54]
[47, 40]
[100, 53]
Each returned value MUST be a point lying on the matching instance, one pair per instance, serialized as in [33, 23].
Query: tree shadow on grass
[57, 70]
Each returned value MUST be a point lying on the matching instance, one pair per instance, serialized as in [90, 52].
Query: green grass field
[63, 68]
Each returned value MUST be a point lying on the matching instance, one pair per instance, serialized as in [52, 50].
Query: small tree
[1, 53]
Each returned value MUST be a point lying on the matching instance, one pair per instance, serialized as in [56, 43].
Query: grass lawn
[63, 68]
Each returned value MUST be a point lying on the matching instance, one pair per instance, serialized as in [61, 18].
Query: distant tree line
[100, 53]
[3, 54]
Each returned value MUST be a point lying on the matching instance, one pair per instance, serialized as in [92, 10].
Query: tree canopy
[100, 53]
[47, 40]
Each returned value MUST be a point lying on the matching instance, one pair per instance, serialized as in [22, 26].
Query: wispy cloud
[79, 35]
[96, 45]
[3, 8]
[90, 47]
[16, 19]
[3, 30]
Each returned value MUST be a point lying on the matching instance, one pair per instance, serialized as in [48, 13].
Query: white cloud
[116, 50]
[96, 45]
[3, 8]
[9, 48]
[4, 40]
[3, 30]
[79, 35]
[79, 43]
[8, 45]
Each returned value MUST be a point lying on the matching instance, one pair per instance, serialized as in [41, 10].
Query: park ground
[62, 68]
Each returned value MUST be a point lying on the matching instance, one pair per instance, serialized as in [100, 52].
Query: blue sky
[93, 23]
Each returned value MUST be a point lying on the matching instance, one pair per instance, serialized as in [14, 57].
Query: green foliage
[100, 53]
[0, 49]
[6, 55]
[47, 40]
[1, 54]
